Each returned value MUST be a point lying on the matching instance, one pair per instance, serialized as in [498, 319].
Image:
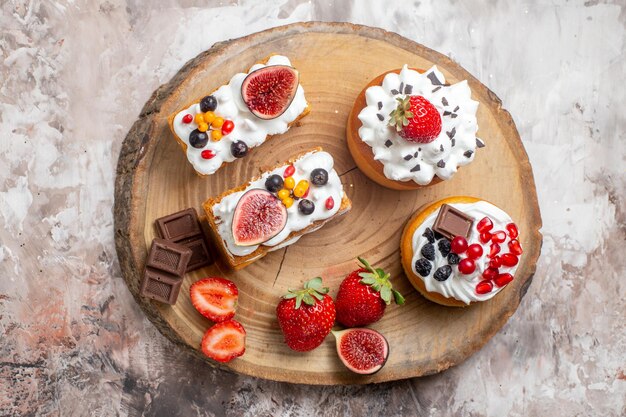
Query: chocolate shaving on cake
[453, 142]
[395, 92]
[444, 101]
[441, 164]
[380, 117]
[456, 109]
[451, 133]
[401, 88]
[447, 113]
[441, 148]
[454, 115]
[408, 89]
[408, 157]
[415, 154]
[415, 168]
[433, 79]
[480, 143]
[436, 89]
[380, 105]
[468, 154]
[388, 143]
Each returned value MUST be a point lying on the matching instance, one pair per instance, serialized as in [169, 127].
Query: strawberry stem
[312, 290]
[378, 279]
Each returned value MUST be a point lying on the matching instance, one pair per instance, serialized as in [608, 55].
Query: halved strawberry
[215, 298]
[224, 341]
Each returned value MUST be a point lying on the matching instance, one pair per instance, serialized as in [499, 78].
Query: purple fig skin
[339, 335]
[254, 76]
[240, 220]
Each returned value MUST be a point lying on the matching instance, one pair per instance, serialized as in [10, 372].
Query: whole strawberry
[306, 316]
[363, 296]
[416, 119]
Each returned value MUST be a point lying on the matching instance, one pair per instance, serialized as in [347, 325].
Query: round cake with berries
[460, 250]
[409, 129]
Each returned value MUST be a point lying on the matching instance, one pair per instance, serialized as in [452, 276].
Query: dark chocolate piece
[441, 148]
[388, 143]
[380, 117]
[180, 225]
[401, 88]
[456, 109]
[468, 154]
[480, 143]
[441, 164]
[451, 133]
[380, 105]
[447, 113]
[160, 286]
[433, 79]
[395, 92]
[415, 168]
[415, 154]
[436, 89]
[453, 142]
[444, 101]
[408, 157]
[451, 222]
[168, 256]
[408, 89]
[200, 255]
[454, 115]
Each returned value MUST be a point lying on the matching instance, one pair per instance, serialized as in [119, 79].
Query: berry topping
[224, 341]
[187, 118]
[216, 135]
[269, 91]
[467, 266]
[512, 229]
[494, 249]
[199, 118]
[208, 103]
[227, 127]
[239, 149]
[515, 248]
[289, 171]
[208, 154]
[273, 183]
[484, 287]
[485, 237]
[209, 117]
[215, 298]
[484, 225]
[416, 119]
[498, 237]
[428, 234]
[423, 267]
[301, 188]
[319, 176]
[203, 127]
[306, 206]
[443, 273]
[495, 262]
[290, 183]
[508, 259]
[198, 139]
[330, 203]
[444, 247]
[458, 244]
[428, 251]
[453, 258]
[475, 251]
[288, 202]
[502, 279]
[217, 123]
[490, 273]
[284, 193]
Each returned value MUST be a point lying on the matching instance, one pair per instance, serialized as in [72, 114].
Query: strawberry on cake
[409, 129]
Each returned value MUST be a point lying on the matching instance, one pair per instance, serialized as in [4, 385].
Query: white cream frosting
[296, 221]
[248, 128]
[420, 162]
[459, 286]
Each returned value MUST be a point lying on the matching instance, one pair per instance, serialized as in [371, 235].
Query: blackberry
[438, 235]
[443, 273]
[423, 267]
[453, 258]
[428, 251]
[444, 247]
[428, 234]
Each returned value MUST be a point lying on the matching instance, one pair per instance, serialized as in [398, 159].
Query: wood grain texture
[154, 179]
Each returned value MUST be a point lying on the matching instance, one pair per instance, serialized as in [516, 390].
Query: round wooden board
[335, 61]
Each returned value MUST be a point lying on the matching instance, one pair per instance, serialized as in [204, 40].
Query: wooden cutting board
[335, 61]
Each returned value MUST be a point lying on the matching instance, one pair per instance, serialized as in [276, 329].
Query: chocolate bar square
[169, 256]
[451, 222]
[179, 225]
[160, 286]
[200, 255]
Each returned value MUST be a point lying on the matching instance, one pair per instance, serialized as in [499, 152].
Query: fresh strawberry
[416, 119]
[215, 298]
[306, 316]
[224, 341]
[363, 296]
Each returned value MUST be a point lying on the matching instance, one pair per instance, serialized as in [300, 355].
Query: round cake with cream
[460, 250]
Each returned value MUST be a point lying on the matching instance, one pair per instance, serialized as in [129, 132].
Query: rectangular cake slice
[223, 126]
[270, 215]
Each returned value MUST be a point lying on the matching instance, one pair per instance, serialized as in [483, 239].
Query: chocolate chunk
[456, 109]
[401, 88]
[441, 148]
[415, 168]
[408, 157]
[160, 286]
[436, 89]
[380, 117]
[480, 143]
[468, 154]
[380, 105]
[453, 142]
[200, 254]
[408, 89]
[415, 154]
[454, 115]
[444, 101]
[451, 133]
[447, 113]
[395, 92]
[388, 143]
[168, 256]
[441, 164]
[451, 222]
[180, 225]
[433, 79]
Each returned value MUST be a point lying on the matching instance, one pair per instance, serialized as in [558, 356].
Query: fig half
[269, 91]
[258, 217]
[363, 351]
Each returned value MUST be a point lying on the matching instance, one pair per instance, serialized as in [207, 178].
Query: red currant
[512, 229]
[330, 203]
[458, 245]
[484, 225]
[494, 249]
[502, 279]
[187, 118]
[475, 251]
[289, 171]
[485, 237]
[508, 259]
[495, 262]
[467, 266]
[498, 237]
[484, 287]
[227, 127]
[490, 273]
[515, 248]
[208, 154]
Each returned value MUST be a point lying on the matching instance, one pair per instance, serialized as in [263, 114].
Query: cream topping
[248, 128]
[420, 162]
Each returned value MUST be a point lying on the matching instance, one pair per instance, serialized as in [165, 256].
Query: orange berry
[203, 127]
[216, 135]
[301, 188]
[288, 202]
[199, 118]
[290, 183]
[209, 117]
[282, 194]
[217, 122]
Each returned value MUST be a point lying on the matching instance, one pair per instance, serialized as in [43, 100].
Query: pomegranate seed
[289, 171]
[208, 154]
[508, 259]
[502, 279]
[490, 273]
[187, 118]
[484, 287]
[458, 245]
[475, 251]
[467, 266]
[330, 203]
[495, 262]
[498, 237]
[485, 237]
[227, 127]
[484, 225]
[512, 229]
[494, 249]
[515, 248]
